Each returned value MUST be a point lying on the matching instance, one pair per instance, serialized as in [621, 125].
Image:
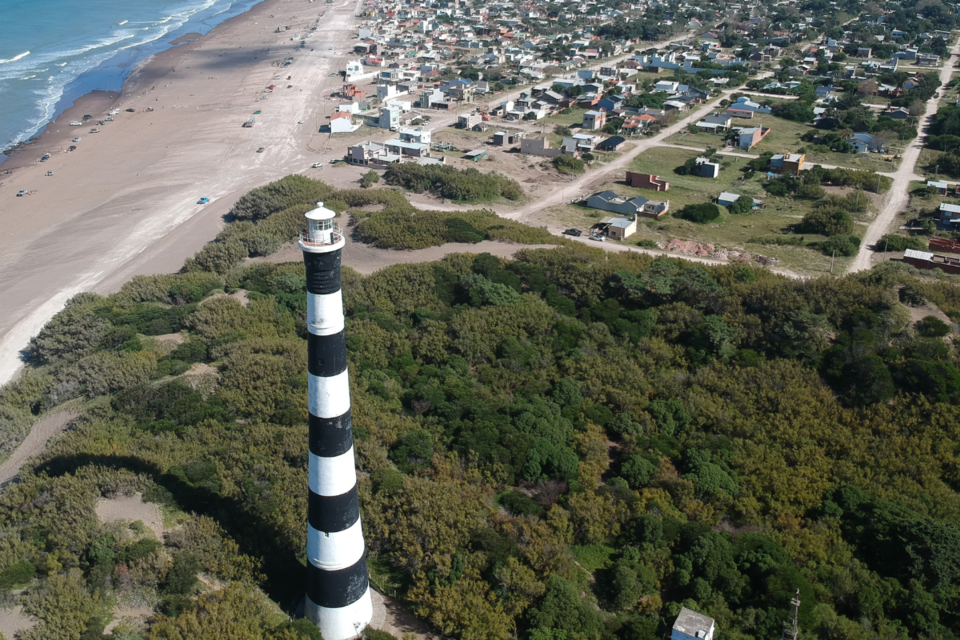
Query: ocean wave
[122, 22]
[29, 77]
[16, 57]
[76, 61]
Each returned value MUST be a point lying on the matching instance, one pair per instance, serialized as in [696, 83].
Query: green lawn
[784, 137]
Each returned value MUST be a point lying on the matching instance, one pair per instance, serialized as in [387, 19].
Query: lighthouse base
[341, 623]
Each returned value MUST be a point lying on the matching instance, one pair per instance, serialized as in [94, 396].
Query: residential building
[342, 123]
[637, 206]
[866, 143]
[370, 153]
[613, 143]
[926, 260]
[619, 228]
[752, 136]
[594, 120]
[948, 217]
[647, 181]
[945, 245]
[715, 122]
[407, 150]
[538, 147]
[469, 120]
[389, 118]
[790, 164]
[691, 625]
[418, 134]
[502, 138]
[706, 168]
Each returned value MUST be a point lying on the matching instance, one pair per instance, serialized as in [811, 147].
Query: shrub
[277, 196]
[699, 213]
[742, 205]
[933, 327]
[893, 242]
[844, 245]
[568, 164]
[462, 185]
[369, 179]
[638, 471]
[521, 505]
[826, 222]
[17, 574]
[790, 241]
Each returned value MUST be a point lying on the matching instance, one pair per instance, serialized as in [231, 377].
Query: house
[668, 86]
[468, 121]
[752, 136]
[633, 124]
[419, 134]
[501, 138]
[941, 187]
[897, 113]
[538, 147]
[705, 168]
[637, 206]
[594, 120]
[866, 143]
[613, 143]
[342, 123]
[646, 181]
[389, 118]
[927, 60]
[691, 625]
[825, 91]
[370, 153]
[926, 260]
[407, 149]
[790, 164]
[715, 122]
[726, 198]
[744, 105]
[620, 228]
[948, 217]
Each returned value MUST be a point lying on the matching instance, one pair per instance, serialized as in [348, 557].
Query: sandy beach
[125, 201]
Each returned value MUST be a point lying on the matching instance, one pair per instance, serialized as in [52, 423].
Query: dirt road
[42, 430]
[897, 199]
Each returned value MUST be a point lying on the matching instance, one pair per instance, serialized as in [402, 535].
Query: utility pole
[790, 629]
[832, 259]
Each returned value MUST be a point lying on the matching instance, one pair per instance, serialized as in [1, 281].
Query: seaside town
[540, 320]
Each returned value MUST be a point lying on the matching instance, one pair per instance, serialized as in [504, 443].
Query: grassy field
[784, 137]
[727, 232]
[926, 164]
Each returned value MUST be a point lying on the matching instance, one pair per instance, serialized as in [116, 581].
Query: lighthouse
[338, 592]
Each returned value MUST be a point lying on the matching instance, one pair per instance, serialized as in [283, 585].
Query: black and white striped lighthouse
[338, 593]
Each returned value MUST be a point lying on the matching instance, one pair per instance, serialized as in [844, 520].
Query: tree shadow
[286, 577]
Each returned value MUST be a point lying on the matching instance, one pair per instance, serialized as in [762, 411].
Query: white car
[76, 124]
[598, 238]
[316, 165]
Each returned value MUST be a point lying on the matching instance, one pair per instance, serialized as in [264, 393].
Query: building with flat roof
[691, 625]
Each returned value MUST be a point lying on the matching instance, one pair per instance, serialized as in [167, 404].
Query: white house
[691, 625]
[342, 123]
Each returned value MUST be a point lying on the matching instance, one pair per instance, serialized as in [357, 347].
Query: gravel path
[898, 197]
[42, 430]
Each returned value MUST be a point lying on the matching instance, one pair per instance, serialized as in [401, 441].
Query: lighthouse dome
[321, 213]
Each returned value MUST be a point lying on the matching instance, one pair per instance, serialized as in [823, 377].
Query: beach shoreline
[125, 201]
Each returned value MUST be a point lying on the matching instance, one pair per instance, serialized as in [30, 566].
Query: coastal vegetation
[459, 185]
[569, 445]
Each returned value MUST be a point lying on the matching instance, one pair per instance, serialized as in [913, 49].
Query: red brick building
[647, 181]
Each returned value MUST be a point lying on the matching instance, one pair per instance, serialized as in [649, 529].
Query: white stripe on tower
[338, 593]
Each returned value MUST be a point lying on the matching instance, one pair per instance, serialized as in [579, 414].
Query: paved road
[897, 199]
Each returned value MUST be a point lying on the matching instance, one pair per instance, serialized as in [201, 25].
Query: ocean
[55, 51]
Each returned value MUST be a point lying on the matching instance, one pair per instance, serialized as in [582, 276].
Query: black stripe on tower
[323, 272]
[331, 514]
[331, 437]
[326, 355]
[336, 589]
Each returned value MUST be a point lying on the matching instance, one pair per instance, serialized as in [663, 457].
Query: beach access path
[125, 201]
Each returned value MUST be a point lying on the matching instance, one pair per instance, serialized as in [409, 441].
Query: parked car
[77, 139]
[203, 200]
[316, 165]
[598, 238]
[260, 150]
[22, 192]
[572, 232]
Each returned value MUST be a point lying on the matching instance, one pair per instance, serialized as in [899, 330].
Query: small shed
[475, 155]
[612, 144]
